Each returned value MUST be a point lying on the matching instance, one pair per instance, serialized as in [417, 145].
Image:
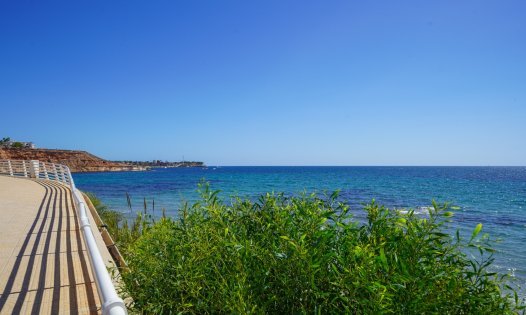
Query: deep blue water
[493, 196]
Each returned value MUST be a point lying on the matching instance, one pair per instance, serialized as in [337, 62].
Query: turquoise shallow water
[493, 196]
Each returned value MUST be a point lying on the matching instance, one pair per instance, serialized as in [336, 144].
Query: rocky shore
[77, 161]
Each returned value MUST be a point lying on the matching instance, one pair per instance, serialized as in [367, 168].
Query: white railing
[111, 302]
[36, 169]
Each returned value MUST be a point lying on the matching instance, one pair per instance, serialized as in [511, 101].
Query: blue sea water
[493, 196]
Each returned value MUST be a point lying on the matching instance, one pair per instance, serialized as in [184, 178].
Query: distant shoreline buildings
[159, 163]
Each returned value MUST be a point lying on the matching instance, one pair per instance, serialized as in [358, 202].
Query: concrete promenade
[44, 266]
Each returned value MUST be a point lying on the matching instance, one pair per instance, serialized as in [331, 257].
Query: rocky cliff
[77, 161]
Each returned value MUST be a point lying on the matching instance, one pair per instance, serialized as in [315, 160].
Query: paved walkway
[44, 266]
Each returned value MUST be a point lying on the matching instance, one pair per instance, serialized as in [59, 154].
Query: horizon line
[405, 165]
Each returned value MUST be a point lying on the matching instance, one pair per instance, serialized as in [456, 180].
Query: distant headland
[79, 161]
[165, 164]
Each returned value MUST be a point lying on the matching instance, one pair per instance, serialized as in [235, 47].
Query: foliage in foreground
[307, 255]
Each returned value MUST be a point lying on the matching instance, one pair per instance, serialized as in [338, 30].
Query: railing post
[55, 172]
[25, 168]
[10, 167]
[33, 169]
[59, 175]
[62, 174]
[46, 176]
[67, 175]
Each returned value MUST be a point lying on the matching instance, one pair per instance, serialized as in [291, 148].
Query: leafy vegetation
[307, 255]
[5, 141]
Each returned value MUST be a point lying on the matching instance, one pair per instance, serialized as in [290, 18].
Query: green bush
[308, 255]
[17, 145]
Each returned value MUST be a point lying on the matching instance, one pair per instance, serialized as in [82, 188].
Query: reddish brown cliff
[77, 161]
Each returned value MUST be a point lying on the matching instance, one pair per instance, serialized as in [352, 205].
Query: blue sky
[269, 82]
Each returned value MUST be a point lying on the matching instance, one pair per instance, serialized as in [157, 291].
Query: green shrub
[308, 255]
[17, 145]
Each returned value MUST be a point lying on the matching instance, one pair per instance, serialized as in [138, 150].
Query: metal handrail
[111, 302]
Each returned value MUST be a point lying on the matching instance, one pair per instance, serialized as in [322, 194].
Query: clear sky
[268, 82]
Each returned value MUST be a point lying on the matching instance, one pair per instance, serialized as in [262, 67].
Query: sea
[493, 196]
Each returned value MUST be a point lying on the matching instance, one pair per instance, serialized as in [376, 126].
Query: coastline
[77, 161]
